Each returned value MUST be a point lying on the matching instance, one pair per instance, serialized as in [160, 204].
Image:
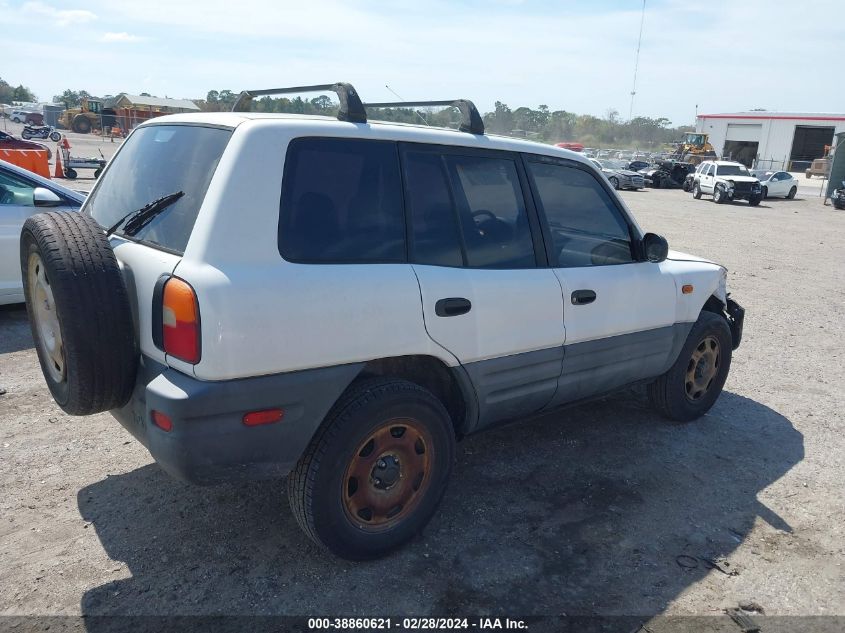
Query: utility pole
[637, 63]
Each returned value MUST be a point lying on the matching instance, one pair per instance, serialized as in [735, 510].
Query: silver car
[23, 194]
[619, 176]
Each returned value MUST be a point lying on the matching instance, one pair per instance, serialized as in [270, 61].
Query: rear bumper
[736, 320]
[209, 442]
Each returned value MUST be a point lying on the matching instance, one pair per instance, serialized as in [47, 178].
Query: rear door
[619, 311]
[705, 180]
[486, 296]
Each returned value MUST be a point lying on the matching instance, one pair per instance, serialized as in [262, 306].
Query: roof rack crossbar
[471, 120]
[351, 109]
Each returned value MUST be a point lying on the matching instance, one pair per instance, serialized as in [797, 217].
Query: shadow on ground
[579, 512]
[14, 329]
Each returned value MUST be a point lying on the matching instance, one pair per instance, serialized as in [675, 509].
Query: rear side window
[467, 211]
[586, 227]
[155, 161]
[342, 202]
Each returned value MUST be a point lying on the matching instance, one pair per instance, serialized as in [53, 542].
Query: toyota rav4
[341, 300]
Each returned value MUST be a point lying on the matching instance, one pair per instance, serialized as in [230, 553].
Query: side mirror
[655, 247]
[42, 197]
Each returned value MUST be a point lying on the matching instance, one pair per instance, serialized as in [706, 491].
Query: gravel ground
[584, 511]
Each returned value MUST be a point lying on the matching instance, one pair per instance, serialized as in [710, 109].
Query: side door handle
[453, 306]
[583, 297]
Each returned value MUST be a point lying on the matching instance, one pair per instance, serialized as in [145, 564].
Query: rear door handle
[583, 297]
[453, 306]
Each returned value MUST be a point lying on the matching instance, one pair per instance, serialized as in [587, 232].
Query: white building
[781, 140]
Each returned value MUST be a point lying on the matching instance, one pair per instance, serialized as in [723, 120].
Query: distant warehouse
[777, 140]
[131, 110]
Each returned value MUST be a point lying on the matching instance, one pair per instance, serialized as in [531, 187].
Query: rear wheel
[376, 470]
[695, 380]
[792, 192]
[696, 191]
[55, 137]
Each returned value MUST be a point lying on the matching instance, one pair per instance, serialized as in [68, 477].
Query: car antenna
[402, 99]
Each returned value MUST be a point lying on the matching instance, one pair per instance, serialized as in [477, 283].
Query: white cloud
[62, 17]
[120, 37]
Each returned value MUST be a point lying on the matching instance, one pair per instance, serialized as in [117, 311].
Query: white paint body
[263, 315]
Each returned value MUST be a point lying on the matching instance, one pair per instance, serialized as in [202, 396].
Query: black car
[667, 174]
[637, 165]
[838, 197]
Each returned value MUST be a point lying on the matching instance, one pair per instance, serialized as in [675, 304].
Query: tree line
[540, 123]
[9, 93]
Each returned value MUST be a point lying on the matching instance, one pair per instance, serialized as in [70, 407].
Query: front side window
[342, 202]
[15, 190]
[156, 161]
[586, 227]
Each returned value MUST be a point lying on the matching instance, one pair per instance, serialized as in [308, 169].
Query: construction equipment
[91, 114]
[695, 148]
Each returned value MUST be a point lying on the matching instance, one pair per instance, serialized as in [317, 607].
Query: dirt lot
[580, 512]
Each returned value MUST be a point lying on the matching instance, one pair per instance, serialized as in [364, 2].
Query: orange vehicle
[575, 147]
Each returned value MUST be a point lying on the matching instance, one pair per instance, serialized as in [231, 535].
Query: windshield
[614, 164]
[732, 170]
[173, 158]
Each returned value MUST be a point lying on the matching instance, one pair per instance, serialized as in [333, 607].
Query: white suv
[726, 181]
[253, 295]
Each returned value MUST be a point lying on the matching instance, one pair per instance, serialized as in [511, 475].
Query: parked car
[726, 181]
[34, 118]
[18, 115]
[776, 184]
[819, 167]
[7, 141]
[347, 331]
[838, 197]
[618, 174]
[637, 165]
[689, 181]
[23, 194]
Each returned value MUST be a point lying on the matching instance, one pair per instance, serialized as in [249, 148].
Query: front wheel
[765, 192]
[70, 173]
[754, 201]
[695, 380]
[614, 182]
[376, 470]
[718, 195]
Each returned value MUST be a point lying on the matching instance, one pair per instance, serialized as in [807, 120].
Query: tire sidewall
[708, 324]
[331, 523]
[59, 390]
[696, 191]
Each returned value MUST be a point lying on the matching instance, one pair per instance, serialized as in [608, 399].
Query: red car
[575, 147]
[7, 141]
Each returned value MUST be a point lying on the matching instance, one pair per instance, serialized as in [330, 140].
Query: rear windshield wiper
[138, 219]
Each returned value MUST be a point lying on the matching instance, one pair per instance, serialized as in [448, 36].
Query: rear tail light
[162, 421]
[180, 321]
[265, 416]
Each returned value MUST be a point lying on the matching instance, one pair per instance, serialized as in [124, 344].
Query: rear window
[156, 161]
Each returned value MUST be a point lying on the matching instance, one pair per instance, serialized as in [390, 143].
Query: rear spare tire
[79, 312]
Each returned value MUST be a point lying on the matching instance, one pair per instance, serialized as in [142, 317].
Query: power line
[401, 99]
[637, 63]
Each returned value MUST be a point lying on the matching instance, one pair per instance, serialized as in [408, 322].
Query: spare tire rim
[46, 319]
[388, 475]
[703, 367]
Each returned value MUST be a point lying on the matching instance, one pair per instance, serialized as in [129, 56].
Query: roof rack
[471, 120]
[351, 108]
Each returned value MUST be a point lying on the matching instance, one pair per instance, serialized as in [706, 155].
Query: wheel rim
[46, 318]
[703, 367]
[388, 474]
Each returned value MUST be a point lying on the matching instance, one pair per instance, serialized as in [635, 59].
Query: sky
[579, 56]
